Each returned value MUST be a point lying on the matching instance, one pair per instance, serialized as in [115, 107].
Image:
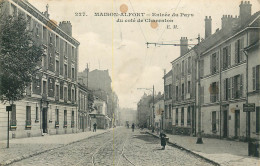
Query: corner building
[50, 105]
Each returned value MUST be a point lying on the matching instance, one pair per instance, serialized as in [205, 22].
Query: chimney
[245, 11]
[66, 27]
[227, 21]
[207, 26]
[46, 13]
[184, 45]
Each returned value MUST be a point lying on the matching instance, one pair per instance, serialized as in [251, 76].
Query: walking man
[94, 127]
[133, 127]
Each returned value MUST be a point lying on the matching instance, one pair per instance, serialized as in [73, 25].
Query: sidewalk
[26, 147]
[224, 152]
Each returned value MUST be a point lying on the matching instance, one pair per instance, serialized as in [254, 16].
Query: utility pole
[153, 112]
[199, 137]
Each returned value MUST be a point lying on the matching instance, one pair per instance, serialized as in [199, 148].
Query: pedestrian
[94, 127]
[133, 127]
[163, 139]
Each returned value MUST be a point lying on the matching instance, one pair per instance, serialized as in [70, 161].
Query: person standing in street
[94, 127]
[133, 127]
[163, 139]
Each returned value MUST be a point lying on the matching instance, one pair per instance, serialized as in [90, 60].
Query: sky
[120, 47]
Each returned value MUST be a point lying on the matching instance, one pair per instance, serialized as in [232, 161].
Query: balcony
[28, 124]
[56, 124]
[65, 124]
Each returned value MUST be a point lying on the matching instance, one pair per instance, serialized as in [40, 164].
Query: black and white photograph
[129, 83]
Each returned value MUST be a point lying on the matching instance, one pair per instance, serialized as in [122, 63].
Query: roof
[168, 74]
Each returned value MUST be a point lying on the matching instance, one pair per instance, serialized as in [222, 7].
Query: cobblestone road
[120, 147]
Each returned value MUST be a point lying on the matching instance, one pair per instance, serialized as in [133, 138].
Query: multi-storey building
[223, 74]
[50, 102]
[183, 90]
[168, 101]
[143, 111]
[83, 107]
[253, 53]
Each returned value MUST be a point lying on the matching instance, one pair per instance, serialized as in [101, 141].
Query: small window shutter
[241, 85]
[217, 91]
[211, 65]
[236, 52]
[210, 92]
[257, 77]
[229, 55]
[217, 120]
[225, 87]
[201, 68]
[221, 58]
[232, 87]
[217, 61]
[241, 49]
[229, 88]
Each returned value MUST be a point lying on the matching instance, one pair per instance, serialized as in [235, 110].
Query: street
[118, 147]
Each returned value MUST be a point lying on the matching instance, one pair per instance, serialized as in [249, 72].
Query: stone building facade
[50, 105]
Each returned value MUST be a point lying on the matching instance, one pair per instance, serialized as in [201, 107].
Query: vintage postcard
[129, 82]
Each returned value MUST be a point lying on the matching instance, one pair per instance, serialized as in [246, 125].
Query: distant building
[143, 110]
[168, 101]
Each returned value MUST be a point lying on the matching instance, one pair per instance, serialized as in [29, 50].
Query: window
[214, 63]
[182, 116]
[61, 91]
[188, 116]
[176, 116]
[56, 117]
[239, 55]
[237, 86]
[182, 91]
[214, 92]
[37, 114]
[72, 119]
[28, 117]
[44, 87]
[73, 53]
[257, 119]
[170, 111]
[65, 118]
[69, 92]
[65, 70]
[37, 30]
[13, 116]
[214, 121]
[189, 65]
[72, 95]
[44, 35]
[29, 21]
[177, 93]
[57, 66]
[57, 91]
[226, 62]
[256, 78]
[226, 89]
[57, 42]
[65, 94]
[189, 87]
[166, 91]
[73, 73]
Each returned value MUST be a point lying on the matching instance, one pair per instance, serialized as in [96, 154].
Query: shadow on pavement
[147, 138]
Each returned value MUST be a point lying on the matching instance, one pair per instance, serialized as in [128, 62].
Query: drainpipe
[220, 94]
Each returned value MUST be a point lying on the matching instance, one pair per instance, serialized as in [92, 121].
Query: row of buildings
[56, 102]
[217, 76]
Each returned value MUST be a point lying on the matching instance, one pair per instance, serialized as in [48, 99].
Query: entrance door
[225, 124]
[237, 123]
[44, 120]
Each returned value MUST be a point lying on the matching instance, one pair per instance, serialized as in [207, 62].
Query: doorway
[225, 124]
[44, 120]
[237, 123]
